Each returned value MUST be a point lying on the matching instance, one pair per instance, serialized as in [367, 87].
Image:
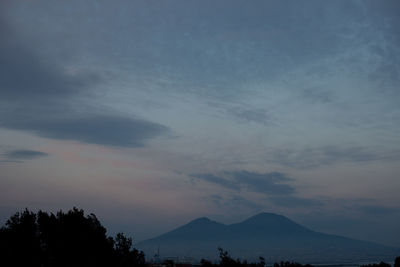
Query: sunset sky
[152, 113]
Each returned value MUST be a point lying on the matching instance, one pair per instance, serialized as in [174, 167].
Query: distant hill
[272, 236]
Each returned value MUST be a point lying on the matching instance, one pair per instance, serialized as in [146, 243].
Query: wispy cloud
[25, 77]
[236, 202]
[294, 201]
[254, 115]
[22, 154]
[48, 94]
[376, 210]
[267, 183]
[96, 129]
[328, 155]
[211, 178]
[274, 185]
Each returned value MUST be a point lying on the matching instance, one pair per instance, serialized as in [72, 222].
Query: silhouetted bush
[226, 260]
[206, 263]
[290, 264]
[124, 255]
[63, 239]
[381, 264]
[397, 262]
[168, 263]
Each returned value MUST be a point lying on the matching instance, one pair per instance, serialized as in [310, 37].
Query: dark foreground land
[73, 239]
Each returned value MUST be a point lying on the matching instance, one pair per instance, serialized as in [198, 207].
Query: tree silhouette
[262, 262]
[206, 263]
[63, 239]
[20, 243]
[397, 262]
[381, 264]
[227, 260]
[168, 263]
[125, 256]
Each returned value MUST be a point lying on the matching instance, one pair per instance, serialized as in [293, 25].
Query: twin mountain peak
[272, 236]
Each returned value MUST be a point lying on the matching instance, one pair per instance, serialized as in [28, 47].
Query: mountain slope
[272, 236]
[199, 229]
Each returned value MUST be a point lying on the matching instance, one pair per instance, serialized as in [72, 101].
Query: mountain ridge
[273, 236]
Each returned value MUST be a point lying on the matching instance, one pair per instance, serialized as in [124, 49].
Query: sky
[152, 113]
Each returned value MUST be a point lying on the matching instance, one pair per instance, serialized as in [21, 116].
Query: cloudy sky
[152, 113]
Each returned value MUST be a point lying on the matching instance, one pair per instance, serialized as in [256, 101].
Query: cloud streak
[327, 155]
[38, 97]
[22, 154]
[211, 178]
[295, 202]
[235, 202]
[267, 183]
[97, 129]
[274, 185]
[27, 78]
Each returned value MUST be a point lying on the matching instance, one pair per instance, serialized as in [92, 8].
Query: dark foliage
[206, 263]
[226, 260]
[397, 262]
[168, 263]
[63, 239]
[124, 255]
[381, 264]
[290, 264]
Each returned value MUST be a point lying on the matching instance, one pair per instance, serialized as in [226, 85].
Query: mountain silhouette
[272, 236]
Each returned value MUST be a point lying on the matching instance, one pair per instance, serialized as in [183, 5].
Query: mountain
[272, 236]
